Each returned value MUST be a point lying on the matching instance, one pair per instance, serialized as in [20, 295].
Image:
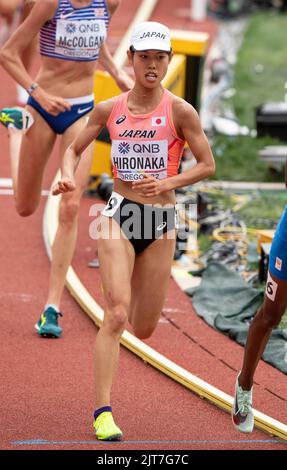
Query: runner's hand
[50, 103]
[149, 186]
[63, 186]
[124, 81]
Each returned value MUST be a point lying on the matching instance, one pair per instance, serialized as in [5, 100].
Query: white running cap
[151, 35]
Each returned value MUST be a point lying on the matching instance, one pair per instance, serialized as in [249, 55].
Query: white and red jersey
[144, 143]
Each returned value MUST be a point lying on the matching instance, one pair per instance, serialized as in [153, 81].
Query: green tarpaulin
[226, 302]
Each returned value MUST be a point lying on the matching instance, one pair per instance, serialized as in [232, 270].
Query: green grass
[259, 77]
[264, 210]
[264, 45]
[237, 160]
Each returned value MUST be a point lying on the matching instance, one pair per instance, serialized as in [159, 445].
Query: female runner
[72, 40]
[148, 127]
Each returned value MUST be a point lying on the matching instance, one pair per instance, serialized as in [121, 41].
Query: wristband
[33, 87]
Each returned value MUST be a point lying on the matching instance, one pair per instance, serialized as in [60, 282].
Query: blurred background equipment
[271, 119]
[198, 10]
[100, 186]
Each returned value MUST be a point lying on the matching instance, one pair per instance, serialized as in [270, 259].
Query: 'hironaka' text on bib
[133, 158]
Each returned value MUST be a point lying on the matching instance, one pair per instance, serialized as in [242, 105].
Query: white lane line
[10, 192]
[5, 182]
[6, 188]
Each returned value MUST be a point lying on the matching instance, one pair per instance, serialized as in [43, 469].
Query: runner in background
[148, 127]
[267, 318]
[72, 40]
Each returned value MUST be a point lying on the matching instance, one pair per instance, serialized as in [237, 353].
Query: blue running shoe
[47, 326]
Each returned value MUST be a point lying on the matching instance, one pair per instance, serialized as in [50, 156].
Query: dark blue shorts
[278, 253]
[61, 122]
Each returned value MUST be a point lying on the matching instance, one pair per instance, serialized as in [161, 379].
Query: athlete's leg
[116, 258]
[65, 240]
[15, 140]
[149, 285]
[267, 318]
[29, 154]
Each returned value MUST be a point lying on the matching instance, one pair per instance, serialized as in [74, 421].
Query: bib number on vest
[113, 203]
[79, 39]
[271, 288]
[132, 158]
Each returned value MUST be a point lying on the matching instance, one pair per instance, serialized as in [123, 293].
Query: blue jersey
[278, 253]
[75, 33]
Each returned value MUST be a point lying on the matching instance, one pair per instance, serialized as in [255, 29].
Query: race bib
[79, 39]
[113, 203]
[271, 288]
[133, 158]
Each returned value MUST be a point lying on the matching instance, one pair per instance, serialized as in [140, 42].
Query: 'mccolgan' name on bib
[84, 42]
[80, 38]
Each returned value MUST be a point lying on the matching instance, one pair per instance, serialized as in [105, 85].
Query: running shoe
[17, 117]
[106, 429]
[12, 117]
[48, 326]
[242, 412]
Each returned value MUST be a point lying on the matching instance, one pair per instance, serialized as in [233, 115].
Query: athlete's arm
[31, 50]
[71, 159]
[188, 127]
[121, 78]
[12, 52]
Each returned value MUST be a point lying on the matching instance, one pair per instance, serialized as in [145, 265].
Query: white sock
[55, 307]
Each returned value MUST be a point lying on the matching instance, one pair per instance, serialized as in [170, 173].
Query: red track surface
[46, 390]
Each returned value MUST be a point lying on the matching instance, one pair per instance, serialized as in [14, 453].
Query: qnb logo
[71, 28]
[124, 148]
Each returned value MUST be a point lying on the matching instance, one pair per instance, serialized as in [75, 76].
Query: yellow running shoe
[106, 429]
